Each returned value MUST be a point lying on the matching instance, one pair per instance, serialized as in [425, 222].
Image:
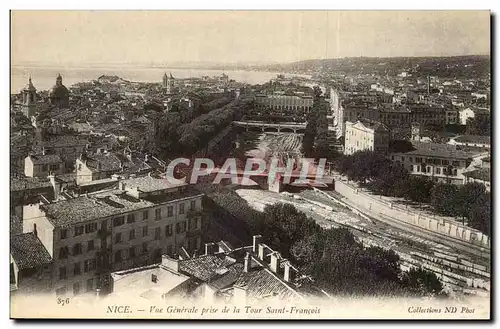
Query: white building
[366, 135]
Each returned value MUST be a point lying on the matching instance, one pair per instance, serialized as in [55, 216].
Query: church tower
[170, 84]
[164, 81]
[29, 99]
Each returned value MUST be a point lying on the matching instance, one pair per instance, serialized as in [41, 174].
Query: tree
[312, 122]
[468, 194]
[479, 125]
[389, 179]
[444, 199]
[479, 214]
[416, 188]
[422, 282]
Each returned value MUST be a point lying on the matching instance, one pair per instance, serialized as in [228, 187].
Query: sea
[44, 77]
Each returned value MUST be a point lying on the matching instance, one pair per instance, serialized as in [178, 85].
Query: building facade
[89, 237]
[366, 135]
[439, 162]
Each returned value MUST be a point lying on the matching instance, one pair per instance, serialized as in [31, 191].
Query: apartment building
[41, 165]
[284, 103]
[366, 135]
[440, 162]
[90, 236]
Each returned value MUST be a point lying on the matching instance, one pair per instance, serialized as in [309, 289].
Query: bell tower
[29, 99]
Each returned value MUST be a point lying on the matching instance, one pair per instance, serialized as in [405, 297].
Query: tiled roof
[28, 183]
[16, 225]
[149, 184]
[203, 267]
[475, 139]
[65, 141]
[483, 174]
[261, 283]
[28, 251]
[103, 162]
[439, 150]
[371, 124]
[40, 159]
[101, 205]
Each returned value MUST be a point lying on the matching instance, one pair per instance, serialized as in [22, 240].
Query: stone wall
[446, 227]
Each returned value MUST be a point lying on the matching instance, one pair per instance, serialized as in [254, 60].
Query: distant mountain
[459, 66]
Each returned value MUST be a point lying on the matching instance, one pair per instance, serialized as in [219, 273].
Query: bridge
[291, 127]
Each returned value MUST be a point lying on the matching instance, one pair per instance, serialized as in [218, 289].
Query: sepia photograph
[250, 164]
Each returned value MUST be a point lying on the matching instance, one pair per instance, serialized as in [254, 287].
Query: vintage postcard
[250, 165]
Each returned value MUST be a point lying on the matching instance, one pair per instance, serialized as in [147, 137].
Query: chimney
[287, 276]
[170, 263]
[275, 262]
[55, 185]
[261, 251]
[256, 241]
[97, 293]
[246, 266]
[211, 248]
[44, 151]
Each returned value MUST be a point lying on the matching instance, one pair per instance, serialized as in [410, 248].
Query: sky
[146, 37]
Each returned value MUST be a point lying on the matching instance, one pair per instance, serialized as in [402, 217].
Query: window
[157, 233]
[145, 215]
[193, 206]
[91, 227]
[131, 235]
[77, 269]
[144, 231]
[131, 252]
[154, 278]
[77, 249]
[63, 252]
[157, 255]
[455, 163]
[170, 211]
[62, 273]
[118, 256]
[90, 245]
[118, 221]
[54, 167]
[78, 230]
[180, 227]
[118, 237]
[438, 171]
[158, 214]
[44, 167]
[64, 233]
[168, 230]
[181, 208]
[76, 288]
[79, 166]
[130, 218]
[170, 250]
[418, 160]
[144, 247]
[90, 284]
[89, 265]
[61, 291]
[446, 162]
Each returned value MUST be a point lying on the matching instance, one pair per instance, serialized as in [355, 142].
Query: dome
[59, 94]
[59, 91]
